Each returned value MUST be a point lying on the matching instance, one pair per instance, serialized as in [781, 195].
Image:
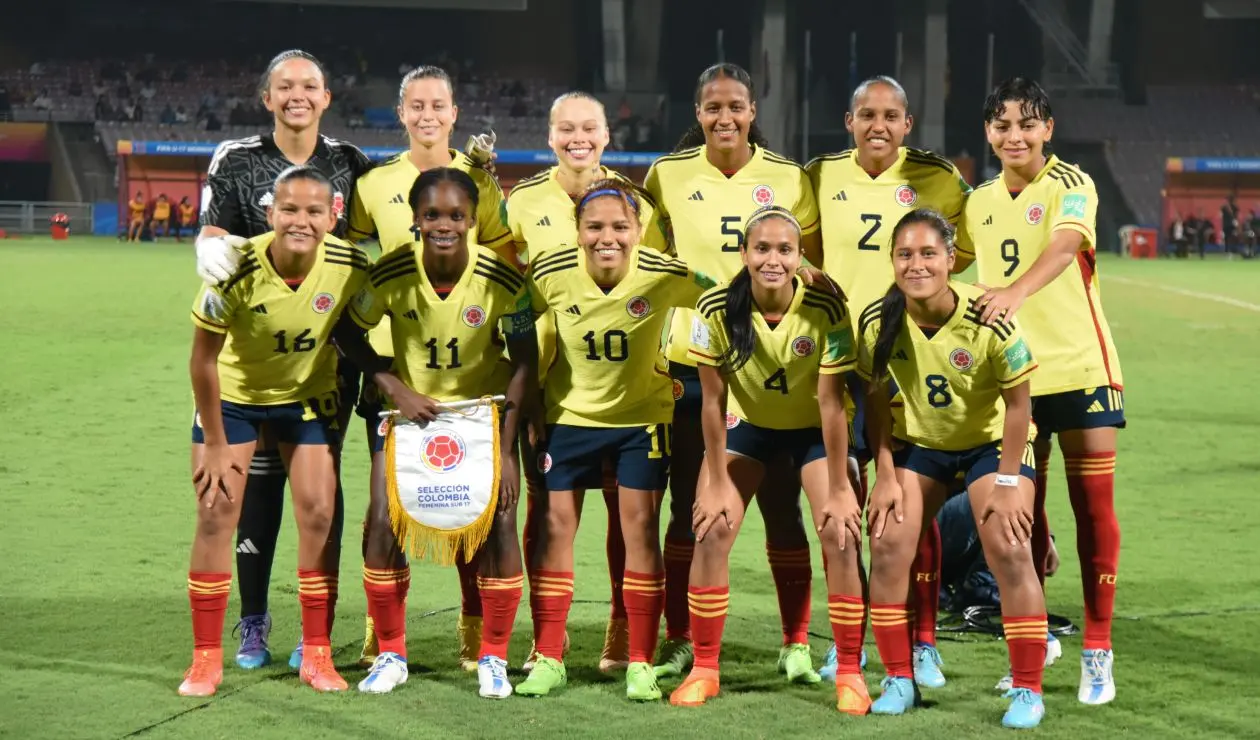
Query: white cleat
[389, 671]
[1098, 686]
[1006, 684]
[492, 677]
[1054, 650]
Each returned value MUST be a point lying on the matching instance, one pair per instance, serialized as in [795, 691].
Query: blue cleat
[927, 666]
[295, 657]
[1026, 709]
[828, 669]
[1098, 685]
[253, 652]
[899, 694]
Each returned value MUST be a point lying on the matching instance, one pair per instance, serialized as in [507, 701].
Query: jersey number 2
[875, 220]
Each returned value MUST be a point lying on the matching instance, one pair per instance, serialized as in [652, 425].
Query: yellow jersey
[277, 348]
[541, 213]
[858, 213]
[778, 387]
[380, 208]
[703, 211]
[187, 213]
[161, 211]
[608, 370]
[137, 208]
[1064, 320]
[950, 383]
[450, 348]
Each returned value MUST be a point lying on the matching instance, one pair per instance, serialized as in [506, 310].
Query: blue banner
[1213, 164]
[509, 156]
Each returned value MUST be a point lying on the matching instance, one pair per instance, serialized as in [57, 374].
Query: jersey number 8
[938, 391]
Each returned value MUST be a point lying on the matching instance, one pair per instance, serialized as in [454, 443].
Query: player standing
[1033, 231]
[136, 208]
[455, 307]
[234, 203]
[261, 356]
[964, 383]
[721, 173]
[427, 111]
[862, 193]
[540, 212]
[772, 355]
[607, 397]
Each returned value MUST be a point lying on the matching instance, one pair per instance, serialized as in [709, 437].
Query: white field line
[1182, 291]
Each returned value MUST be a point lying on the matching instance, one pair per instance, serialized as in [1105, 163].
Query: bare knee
[890, 556]
[216, 522]
[315, 513]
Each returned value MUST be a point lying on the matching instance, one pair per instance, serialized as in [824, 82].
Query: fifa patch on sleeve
[839, 344]
[517, 324]
[699, 333]
[363, 302]
[1074, 205]
[1017, 355]
[704, 281]
[214, 307]
[503, 214]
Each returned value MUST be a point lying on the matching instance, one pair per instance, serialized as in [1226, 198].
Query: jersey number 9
[1010, 255]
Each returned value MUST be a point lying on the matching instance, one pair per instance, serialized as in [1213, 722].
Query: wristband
[1008, 480]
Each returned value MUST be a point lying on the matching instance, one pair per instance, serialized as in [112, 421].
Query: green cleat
[548, 674]
[641, 683]
[795, 661]
[676, 658]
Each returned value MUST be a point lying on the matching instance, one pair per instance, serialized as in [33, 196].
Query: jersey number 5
[875, 220]
[730, 227]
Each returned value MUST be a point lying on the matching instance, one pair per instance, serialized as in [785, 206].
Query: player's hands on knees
[716, 505]
[1013, 516]
[509, 481]
[218, 257]
[819, 279]
[843, 510]
[210, 477]
[887, 501]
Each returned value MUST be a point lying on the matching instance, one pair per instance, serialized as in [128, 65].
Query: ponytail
[892, 312]
[738, 322]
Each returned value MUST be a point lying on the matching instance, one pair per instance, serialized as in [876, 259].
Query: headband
[772, 211]
[609, 191]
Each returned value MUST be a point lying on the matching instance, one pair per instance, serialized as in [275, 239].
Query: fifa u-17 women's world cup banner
[442, 479]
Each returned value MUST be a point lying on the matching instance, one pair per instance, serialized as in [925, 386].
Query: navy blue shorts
[1092, 408]
[763, 445]
[946, 467]
[573, 458]
[686, 389]
[858, 447]
[348, 377]
[312, 422]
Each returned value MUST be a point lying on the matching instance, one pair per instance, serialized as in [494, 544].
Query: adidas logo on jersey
[900, 355]
[544, 221]
[412, 315]
[260, 308]
[398, 199]
[840, 196]
[988, 221]
[696, 196]
[1095, 408]
[573, 310]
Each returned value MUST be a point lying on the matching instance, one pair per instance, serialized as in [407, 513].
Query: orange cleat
[318, 669]
[204, 675]
[695, 691]
[852, 696]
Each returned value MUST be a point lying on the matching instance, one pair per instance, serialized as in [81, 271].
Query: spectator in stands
[486, 119]
[1230, 232]
[181, 115]
[102, 111]
[148, 91]
[1177, 237]
[99, 88]
[6, 106]
[237, 116]
[42, 101]
[213, 123]
[75, 89]
[168, 115]
[128, 109]
[1205, 233]
[518, 109]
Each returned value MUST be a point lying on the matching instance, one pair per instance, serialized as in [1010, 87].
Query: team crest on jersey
[1034, 214]
[763, 195]
[679, 389]
[961, 359]
[474, 316]
[267, 199]
[732, 420]
[905, 196]
[383, 428]
[323, 303]
[339, 205]
[443, 451]
[802, 346]
[544, 462]
[638, 307]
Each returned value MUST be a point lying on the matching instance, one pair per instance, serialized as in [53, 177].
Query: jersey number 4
[777, 381]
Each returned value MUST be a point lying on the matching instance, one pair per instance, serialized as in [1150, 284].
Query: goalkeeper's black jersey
[242, 174]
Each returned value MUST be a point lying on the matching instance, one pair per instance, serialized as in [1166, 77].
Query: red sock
[387, 606]
[500, 598]
[550, 596]
[1026, 643]
[1091, 486]
[645, 600]
[529, 535]
[317, 593]
[707, 607]
[208, 598]
[614, 544]
[792, 575]
[890, 623]
[469, 594]
[1041, 525]
[677, 577]
[848, 615]
[925, 584]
